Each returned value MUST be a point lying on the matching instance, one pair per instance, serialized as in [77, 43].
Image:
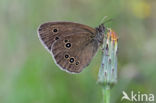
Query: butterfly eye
[55, 30]
[66, 56]
[71, 60]
[77, 63]
[68, 45]
[56, 38]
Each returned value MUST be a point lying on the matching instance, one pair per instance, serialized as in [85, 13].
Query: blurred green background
[28, 73]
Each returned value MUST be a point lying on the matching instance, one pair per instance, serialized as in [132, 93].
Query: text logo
[137, 97]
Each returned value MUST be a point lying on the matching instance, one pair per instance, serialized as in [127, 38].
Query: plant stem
[106, 94]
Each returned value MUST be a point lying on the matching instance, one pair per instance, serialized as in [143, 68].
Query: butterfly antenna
[103, 20]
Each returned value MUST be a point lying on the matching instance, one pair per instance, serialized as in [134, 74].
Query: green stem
[106, 94]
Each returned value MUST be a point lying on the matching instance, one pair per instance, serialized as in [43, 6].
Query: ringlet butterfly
[72, 45]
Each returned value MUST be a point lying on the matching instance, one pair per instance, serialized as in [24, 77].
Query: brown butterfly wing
[50, 32]
[74, 52]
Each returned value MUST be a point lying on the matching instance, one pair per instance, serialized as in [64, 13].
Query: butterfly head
[100, 30]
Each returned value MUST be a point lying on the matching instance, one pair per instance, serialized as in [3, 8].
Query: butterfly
[72, 45]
